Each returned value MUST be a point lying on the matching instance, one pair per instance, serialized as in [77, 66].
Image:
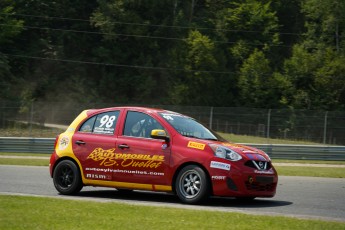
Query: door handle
[80, 142]
[123, 146]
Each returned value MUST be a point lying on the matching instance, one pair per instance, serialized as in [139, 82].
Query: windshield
[188, 127]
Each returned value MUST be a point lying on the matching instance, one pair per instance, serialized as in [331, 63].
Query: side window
[140, 125]
[88, 125]
[103, 123]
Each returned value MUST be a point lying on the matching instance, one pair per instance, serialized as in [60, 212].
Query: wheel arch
[191, 163]
[71, 159]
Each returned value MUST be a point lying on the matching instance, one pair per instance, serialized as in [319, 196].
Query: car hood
[250, 153]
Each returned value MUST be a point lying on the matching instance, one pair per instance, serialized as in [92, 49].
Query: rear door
[140, 158]
[94, 145]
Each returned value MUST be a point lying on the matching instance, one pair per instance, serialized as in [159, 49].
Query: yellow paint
[115, 184]
[67, 151]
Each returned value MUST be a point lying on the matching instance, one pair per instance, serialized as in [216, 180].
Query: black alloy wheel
[67, 179]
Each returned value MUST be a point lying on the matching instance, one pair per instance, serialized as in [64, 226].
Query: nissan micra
[135, 148]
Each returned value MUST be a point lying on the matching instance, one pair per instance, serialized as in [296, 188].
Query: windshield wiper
[186, 135]
[210, 139]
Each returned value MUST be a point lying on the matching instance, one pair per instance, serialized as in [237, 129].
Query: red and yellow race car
[135, 148]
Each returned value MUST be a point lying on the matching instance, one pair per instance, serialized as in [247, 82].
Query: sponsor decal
[218, 177]
[110, 158]
[264, 172]
[98, 176]
[63, 142]
[124, 171]
[196, 145]
[220, 165]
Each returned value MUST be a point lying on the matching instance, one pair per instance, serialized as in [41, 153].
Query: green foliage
[270, 54]
[10, 27]
[325, 22]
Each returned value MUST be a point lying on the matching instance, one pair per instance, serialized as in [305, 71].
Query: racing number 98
[107, 120]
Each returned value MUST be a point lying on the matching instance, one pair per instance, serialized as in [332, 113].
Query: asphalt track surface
[301, 197]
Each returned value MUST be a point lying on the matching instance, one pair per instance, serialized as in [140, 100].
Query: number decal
[107, 121]
[104, 120]
[110, 122]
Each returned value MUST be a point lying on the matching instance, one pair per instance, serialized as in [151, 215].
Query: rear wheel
[192, 185]
[66, 177]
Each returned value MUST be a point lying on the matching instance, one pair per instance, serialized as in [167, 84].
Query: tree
[10, 27]
[258, 85]
[138, 42]
[248, 25]
[325, 23]
[314, 68]
[200, 83]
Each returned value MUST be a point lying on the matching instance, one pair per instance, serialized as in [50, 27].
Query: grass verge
[23, 161]
[308, 161]
[25, 154]
[311, 171]
[262, 140]
[18, 212]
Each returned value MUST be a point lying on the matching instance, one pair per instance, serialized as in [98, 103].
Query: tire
[192, 185]
[67, 179]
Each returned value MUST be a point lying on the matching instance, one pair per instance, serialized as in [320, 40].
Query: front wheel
[192, 185]
[66, 177]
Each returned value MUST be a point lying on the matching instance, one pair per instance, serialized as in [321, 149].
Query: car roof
[136, 108]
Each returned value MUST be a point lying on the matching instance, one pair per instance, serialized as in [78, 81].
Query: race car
[136, 148]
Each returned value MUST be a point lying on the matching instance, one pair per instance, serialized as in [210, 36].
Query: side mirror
[159, 134]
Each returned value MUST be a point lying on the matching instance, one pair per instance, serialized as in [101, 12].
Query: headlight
[223, 152]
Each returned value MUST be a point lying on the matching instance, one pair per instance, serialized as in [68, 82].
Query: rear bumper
[53, 158]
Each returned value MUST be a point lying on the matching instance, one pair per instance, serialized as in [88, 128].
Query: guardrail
[26, 145]
[275, 151]
[303, 152]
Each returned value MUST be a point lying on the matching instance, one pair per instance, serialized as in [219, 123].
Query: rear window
[103, 123]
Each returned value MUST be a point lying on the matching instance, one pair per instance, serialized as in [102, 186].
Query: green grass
[21, 161]
[35, 131]
[25, 154]
[262, 140]
[311, 171]
[17, 212]
[308, 161]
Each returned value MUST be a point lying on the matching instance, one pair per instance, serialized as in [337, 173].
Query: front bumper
[246, 182]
